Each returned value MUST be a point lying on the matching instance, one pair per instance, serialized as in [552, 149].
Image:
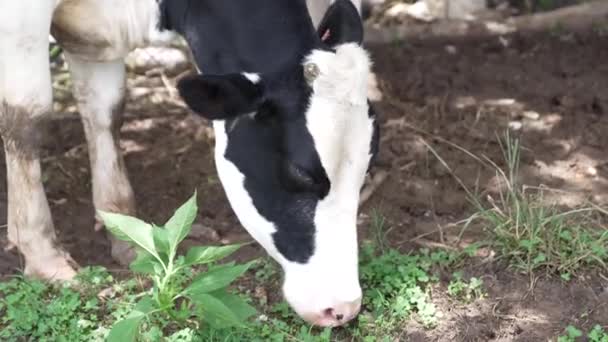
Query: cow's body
[97, 35]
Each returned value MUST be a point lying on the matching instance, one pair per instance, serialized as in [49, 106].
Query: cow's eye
[298, 179]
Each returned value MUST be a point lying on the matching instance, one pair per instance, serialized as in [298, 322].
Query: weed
[533, 234]
[530, 233]
[379, 231]
[177, 296]
[572, 333]
[266, 270]
[395, 286]
[465, 291]
[34, 310]
[598, 334]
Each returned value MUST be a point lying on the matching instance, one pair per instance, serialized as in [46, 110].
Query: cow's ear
[341, 24]
[221, 97]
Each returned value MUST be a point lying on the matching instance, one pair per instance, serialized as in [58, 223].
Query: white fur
[25, 90]
[25, 79]
[135, 22]
[254, 78]
[343, 75]
[338, 121]
[124, 24]
[99, 89]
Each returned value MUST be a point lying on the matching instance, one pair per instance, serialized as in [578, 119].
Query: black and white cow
[294, 130]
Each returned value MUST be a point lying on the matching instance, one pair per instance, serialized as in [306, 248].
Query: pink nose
[335, 316]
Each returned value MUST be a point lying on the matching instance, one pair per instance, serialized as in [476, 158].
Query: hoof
[59, 268]
[122, 252]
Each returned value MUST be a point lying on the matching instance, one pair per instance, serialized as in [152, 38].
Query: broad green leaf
[127, 329]
[180, 224]
[130, 229]
[204, 255]
[237, 305]
[161, 241]
[215, 312]
[145, 305]
[573, 331]
[144, 263]
[540, 258]
[216, 279]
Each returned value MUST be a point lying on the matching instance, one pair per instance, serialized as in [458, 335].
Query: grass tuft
[534, 234]
[526, 230]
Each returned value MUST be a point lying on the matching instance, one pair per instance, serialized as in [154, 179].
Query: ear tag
[326, 35]
[311, 72]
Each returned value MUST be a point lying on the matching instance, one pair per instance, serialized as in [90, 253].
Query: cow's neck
[230, 36]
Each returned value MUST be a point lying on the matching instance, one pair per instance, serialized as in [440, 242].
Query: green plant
[395, 286]
[34, 310]
[572, 333]
[463, 290]
[598, 334]
[534, 234]
[528, 231]
[177, 296]
[378, 227]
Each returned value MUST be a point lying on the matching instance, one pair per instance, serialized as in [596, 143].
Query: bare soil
[552, 90]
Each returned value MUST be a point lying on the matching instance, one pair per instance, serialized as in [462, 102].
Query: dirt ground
[551, 90]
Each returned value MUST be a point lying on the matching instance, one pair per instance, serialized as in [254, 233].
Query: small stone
[516, 125]
[591, 171]
[463, 102]
[532, 115]
[261, 295]
[451, 49]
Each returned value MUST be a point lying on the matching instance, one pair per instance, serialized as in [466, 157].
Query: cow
[295, 133]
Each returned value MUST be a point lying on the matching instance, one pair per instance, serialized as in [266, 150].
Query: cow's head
[292, 152]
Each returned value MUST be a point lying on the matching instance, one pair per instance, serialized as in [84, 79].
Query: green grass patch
[39, 311]
[533, 234]
[174, 297]
[466, 291]
[573, 334]
[398, 288]
[530, 232]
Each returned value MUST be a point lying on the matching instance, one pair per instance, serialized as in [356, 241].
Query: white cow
[310, 86]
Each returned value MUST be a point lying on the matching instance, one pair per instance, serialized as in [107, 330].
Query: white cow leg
[99, 88]
[25, 99]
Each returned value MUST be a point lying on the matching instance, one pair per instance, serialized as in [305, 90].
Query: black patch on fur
[220, 97]
[343, 23]
[283, 172]
[273, 149]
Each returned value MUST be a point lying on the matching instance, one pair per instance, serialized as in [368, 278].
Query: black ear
[341, 24]
[220, 97]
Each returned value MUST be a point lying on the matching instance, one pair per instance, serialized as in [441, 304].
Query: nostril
[331, 313]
